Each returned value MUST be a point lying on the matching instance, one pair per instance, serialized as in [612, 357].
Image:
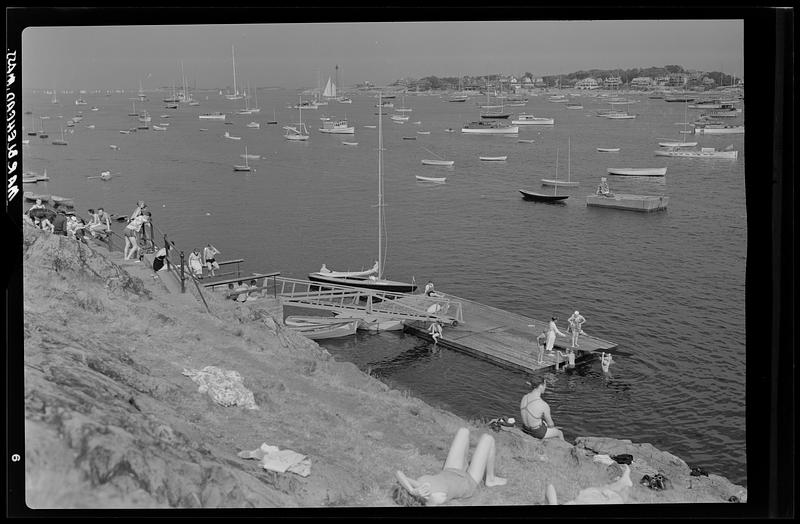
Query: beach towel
[275, 459]
[225, 387]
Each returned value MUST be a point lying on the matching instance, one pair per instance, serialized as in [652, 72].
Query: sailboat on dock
[372, 278]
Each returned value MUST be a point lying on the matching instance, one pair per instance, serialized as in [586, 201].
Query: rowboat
[349, 143]
[637, 171]
[327, 330]
[526, 141]
[494, 158]
[409, 138]
[159, 128]
[608, 149]
[231, 137]
[423, 132]
[212, 116]
[428, 162]
[440, 179]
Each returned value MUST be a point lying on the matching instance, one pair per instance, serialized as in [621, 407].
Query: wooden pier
[504, 338]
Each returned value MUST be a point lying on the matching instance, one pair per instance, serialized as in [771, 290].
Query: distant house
[612, 82]
[587, 83]
[539, 82]
[641, 82]
[708, 81]
[677, 79]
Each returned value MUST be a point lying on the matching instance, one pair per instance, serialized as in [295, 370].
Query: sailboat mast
[555, 186]
[569, 159]
[233, 54]
[380, 185]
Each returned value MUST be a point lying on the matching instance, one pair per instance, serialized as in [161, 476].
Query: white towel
[276, 459]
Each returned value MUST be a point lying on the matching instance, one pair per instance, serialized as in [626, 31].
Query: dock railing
[354, 300]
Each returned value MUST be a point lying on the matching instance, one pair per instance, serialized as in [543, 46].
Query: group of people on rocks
[461, 478]
[246, 292]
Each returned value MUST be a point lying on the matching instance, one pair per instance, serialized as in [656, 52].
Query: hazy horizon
[301, 55]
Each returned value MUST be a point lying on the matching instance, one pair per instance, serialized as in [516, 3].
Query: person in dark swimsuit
[458, 479]
[535, 413]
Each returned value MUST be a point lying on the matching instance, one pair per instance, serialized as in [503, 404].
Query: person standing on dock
[541, 341]
[195, 264]
[535, 413]
[575, 323]
[552, 329]
[209, 254]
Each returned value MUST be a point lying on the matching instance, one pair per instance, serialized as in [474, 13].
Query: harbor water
[668, 287]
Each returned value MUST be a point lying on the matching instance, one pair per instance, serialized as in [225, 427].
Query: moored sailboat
[374, 279]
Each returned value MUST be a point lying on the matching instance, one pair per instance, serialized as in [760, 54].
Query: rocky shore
[113, 418]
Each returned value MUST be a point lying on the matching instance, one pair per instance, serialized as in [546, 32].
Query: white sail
[330, 89]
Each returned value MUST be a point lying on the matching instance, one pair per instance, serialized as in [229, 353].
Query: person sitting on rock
[458, 479]
[535, 412]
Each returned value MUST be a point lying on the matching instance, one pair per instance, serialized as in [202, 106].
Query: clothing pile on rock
[657, 482]
[276, 459]
[225, 387]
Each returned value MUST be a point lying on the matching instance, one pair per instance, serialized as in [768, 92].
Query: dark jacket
[60, 224]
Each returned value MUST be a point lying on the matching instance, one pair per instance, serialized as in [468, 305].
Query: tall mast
[569, 159]
[233, 54]
[380, 185]
[185, 92]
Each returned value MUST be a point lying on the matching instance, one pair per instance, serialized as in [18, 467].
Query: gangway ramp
[361, 301]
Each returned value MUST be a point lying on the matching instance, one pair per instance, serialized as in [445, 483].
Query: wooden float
[643, 203]
[504, 338]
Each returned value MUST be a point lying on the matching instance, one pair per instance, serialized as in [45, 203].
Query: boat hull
[493, 158]
[438, 162]
[326, 331]
[431, 179]
[633, 171]
[539, 197]
[559, 183]
[510, 130]
[364, 282]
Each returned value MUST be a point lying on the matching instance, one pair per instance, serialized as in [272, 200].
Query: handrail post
[183, 275]
[166, 250]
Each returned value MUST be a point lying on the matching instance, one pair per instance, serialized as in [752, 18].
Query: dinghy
[428, 162]
[439, 179]
[494, 158]
[608, 149]
[637, 171]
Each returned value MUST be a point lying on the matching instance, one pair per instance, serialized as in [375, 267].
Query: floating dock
[643, 203]
[504, 338]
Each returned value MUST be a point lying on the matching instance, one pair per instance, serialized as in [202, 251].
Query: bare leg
[457, 456]
[554, 433]
[550, 495]
[483, 461]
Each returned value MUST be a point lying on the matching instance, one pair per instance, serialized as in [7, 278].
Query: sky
[298, 55]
